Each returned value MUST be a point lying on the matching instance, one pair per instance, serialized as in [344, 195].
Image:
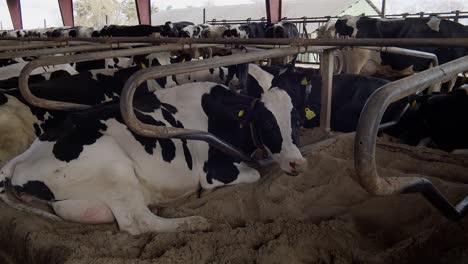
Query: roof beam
[14, 6]
[66, 10]
[143, 8]
[273, 10]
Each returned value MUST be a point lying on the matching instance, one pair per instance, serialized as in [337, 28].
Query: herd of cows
[91, 168]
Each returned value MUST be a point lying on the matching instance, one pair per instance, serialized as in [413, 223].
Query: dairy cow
[349, 93]
[393, 65]
[21, 122]
[94, 169]
[436, 118]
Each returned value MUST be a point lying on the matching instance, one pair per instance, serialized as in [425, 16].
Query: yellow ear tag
[241, 113]
[414, 104]
[304, 82]
[309, 114]
[143, 66]
[183, 60]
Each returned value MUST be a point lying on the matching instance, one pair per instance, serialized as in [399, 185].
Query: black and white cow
[440, 118]
[21, 122]
[13, 69]
[282, 29]
[129, 31]
[12, 83]
[192, 31]
[89, 88]
[349, 94]
[236, 31]
[93, 169]
[74, 32]
[393, 65]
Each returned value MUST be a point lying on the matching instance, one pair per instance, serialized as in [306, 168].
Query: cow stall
[367, 130]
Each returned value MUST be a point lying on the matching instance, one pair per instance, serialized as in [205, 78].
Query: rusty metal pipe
[46, 61]
[399, 42]
[128, 92]
[366, 135]
[52, 51]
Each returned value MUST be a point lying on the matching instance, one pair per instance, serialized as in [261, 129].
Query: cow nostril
[292, 164]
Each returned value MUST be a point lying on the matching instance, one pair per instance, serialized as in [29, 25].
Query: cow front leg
[222, 173]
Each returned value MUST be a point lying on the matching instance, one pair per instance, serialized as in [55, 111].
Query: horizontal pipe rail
[47, 44]
[52, 51]
[128, 92]
[47, 61]
[414, 53]
[399, 42]
[366, 135]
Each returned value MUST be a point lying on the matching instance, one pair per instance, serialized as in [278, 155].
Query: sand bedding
[321, 216]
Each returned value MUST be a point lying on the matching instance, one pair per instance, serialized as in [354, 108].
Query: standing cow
[362, 61]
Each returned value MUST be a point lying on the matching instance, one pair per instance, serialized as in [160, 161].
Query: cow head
[169, 30]
[277, 124]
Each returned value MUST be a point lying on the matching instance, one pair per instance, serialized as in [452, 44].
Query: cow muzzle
[296, 166]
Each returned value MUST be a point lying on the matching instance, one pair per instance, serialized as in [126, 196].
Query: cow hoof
[195, 223]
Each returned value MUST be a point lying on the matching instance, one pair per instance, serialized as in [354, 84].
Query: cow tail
[5, 189]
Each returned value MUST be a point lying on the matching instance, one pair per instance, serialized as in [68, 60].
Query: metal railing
[307, 26]
[366, 135]
[47, 61]
[368, 123]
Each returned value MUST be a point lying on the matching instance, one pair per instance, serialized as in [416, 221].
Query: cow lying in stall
[21, 122]
[93, 169]
[388, 65]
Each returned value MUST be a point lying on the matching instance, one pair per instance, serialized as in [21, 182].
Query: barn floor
[322, 216]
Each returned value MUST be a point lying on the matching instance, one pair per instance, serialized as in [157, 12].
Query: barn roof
[291, 8]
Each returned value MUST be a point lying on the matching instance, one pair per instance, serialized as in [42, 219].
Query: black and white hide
[93, 169]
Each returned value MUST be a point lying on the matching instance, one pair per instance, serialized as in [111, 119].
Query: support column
[14, 6]
[143, 8]
[66, 10]
[326, 70]
[273, 10]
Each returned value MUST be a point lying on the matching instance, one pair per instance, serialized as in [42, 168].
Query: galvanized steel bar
[366, 135]
[398, 42]
[46, 61]
[33, 45]
[126, 101]
[415, 53]
[326, 70]
[52, 51]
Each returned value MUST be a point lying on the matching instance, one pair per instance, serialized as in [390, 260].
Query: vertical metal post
[326, 70]
[457, 16]
[14, 6]
[204, 15]
[383, 9]
[66, 10]
[273, 10]
[143, 8]
[107, 20]
[45, 23]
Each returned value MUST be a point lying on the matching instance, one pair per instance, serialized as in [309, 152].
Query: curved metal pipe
[366, 135]
[128, 92]
[46, 61]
